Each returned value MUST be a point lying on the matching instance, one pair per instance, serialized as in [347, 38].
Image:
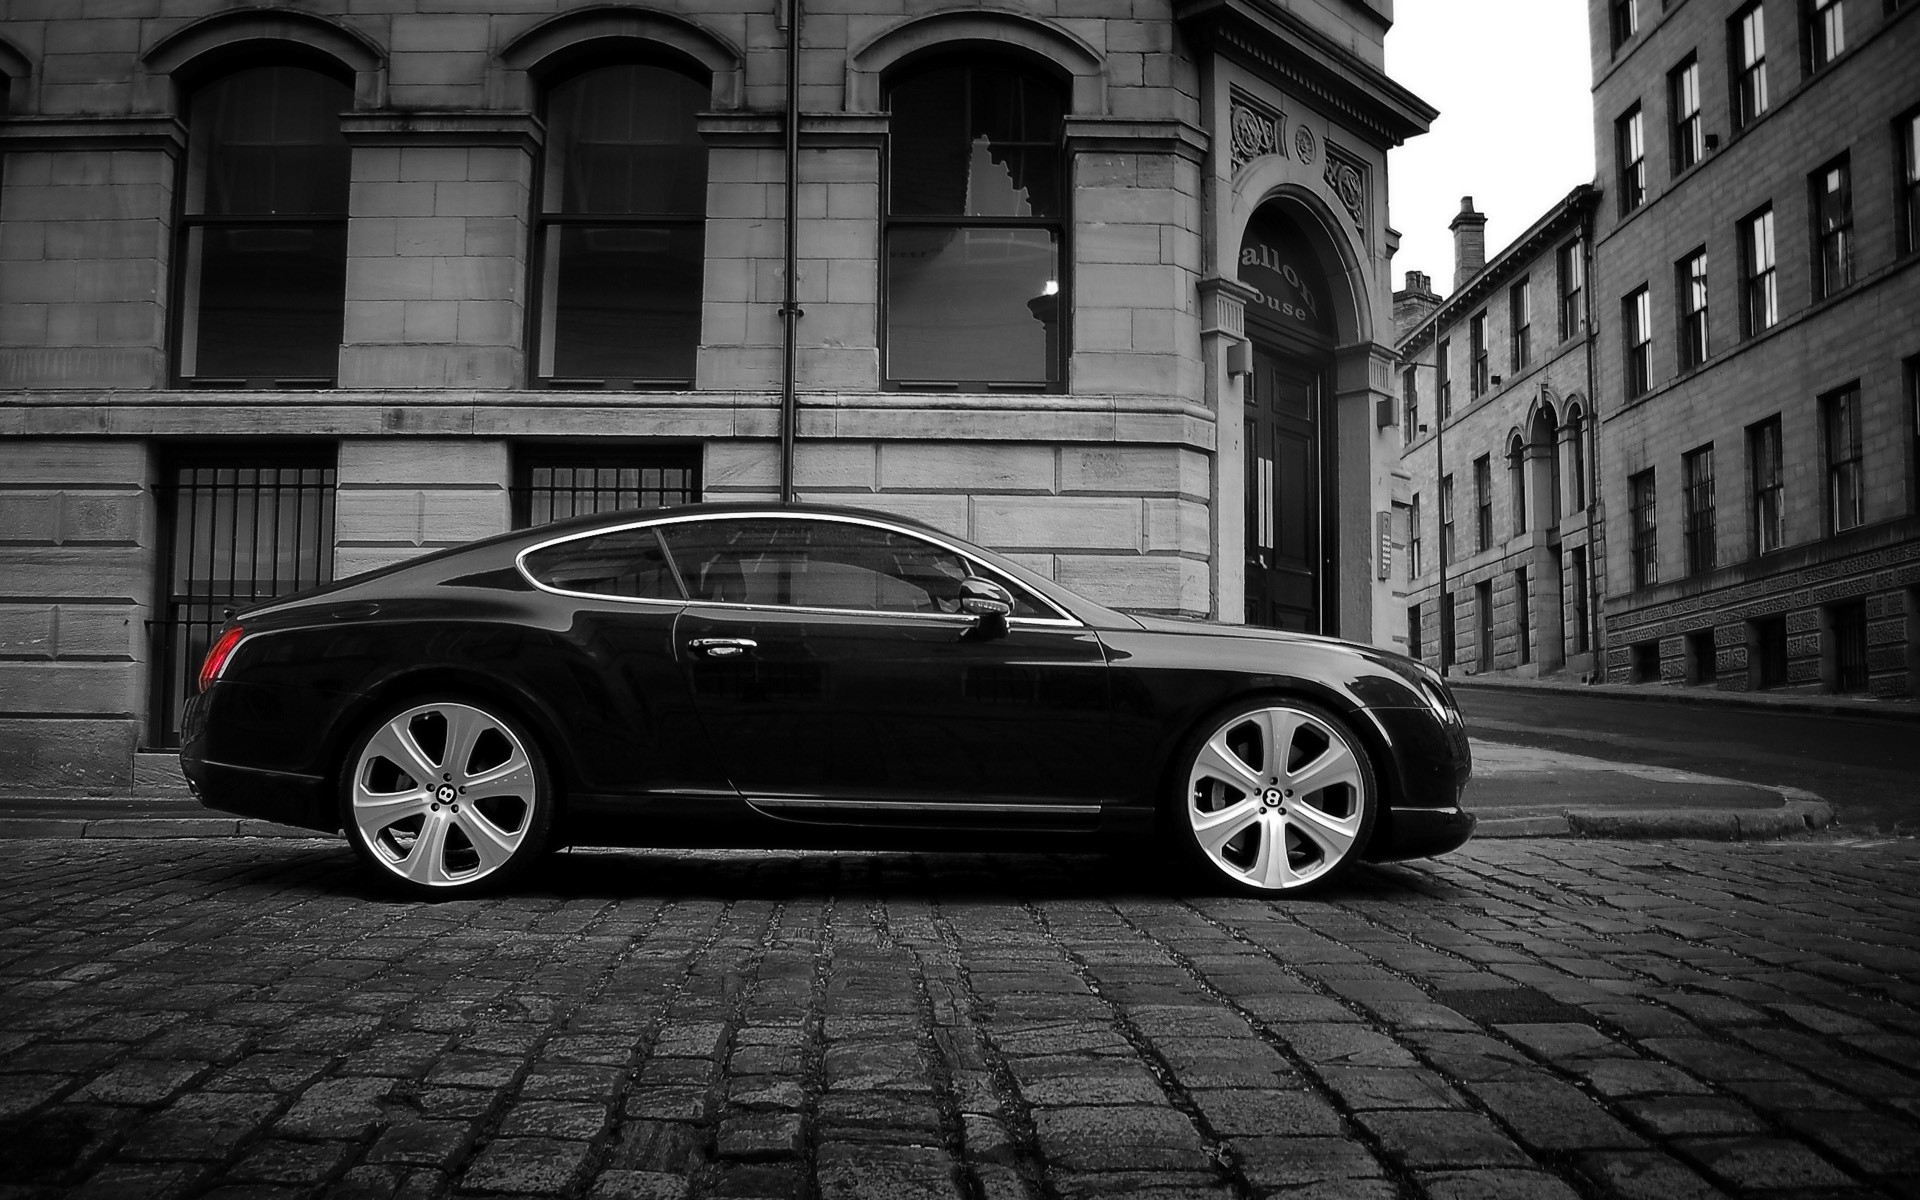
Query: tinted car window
[821, 564]
[625, 562]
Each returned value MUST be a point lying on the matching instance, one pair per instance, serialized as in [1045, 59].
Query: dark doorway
[1284, 525]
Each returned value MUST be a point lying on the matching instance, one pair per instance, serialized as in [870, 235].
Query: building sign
[1276, 262]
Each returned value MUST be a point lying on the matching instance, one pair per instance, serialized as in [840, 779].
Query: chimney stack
[1469, 242]
[1413, 303]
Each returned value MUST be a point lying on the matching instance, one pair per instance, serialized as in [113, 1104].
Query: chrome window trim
[1062, 621]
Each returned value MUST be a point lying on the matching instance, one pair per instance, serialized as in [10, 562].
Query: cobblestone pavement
[1519, 1019]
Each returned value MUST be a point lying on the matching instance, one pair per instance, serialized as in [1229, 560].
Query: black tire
[1236, 800]
[480, 818]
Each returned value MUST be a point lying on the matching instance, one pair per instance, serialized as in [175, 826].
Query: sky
[1512, 81]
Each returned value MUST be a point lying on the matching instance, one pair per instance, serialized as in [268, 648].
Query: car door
[832, 672]
[631, 720]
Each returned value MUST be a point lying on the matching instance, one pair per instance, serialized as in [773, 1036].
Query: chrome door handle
[722, 647]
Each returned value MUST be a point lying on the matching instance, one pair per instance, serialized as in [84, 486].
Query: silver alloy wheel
[1278, 798]
[444, 794]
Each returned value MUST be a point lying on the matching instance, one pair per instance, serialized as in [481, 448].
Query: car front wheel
[446, 798]
[1279, 797]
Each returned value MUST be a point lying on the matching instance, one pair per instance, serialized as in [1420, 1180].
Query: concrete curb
[12, 828]
[1805, 814]
[1654, 693]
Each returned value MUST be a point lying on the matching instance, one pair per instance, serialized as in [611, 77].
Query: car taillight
[218, 656]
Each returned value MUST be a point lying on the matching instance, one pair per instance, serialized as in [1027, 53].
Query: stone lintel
[1130, 135]
[818, 131]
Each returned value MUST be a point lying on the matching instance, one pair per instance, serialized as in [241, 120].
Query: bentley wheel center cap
[1270, 797]
[444, 793]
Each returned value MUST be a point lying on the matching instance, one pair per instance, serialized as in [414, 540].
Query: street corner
[1528, 791]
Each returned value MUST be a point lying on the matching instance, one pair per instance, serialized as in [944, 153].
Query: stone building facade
[1504, 530]
[1758, 314]
[288, 292]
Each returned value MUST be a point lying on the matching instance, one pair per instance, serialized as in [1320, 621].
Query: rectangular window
[1907, 133]
[1413, 631]
[1416, 559]
[1520, 322]
[1840, 415]
[1769, 514]
[1522, 618]
[549, 484]
[1572, 280]
[1517, 484]
[1636, 320]
[1630, 150]
[1698, 470]
[1747, 42]
[1479, 374]
[1483, 502]
[1690, 276]
[1578, 582]
[1645, 532]
[1443, 379]
[1448, 550]
[236, 528]
[1760, 307]
[1483, 621]
[1826, 32]
[1623, 20]
[1577, 459]
[1683, 101]
[1910, 379]
[1409, 409]
[1832, 188]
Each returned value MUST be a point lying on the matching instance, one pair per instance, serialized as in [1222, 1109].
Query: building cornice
[1306, 63]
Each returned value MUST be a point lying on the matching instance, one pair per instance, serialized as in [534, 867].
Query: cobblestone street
[1528, 1019]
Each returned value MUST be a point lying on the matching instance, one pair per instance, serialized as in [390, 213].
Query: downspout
[790, 308]
[1594, 520]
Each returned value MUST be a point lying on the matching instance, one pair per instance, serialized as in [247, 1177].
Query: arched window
[263, 230]
[622, 243]
[1517, 481]
[975, 237]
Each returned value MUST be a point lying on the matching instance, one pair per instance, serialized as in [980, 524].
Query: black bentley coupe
[798, 676]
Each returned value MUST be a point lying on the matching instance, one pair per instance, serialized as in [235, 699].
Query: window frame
[529, 459]
[1692, 305]
[1572, 272]
[1766, 486]
[1906, 134]
[1636, 328]
[548, 220]
[1520, 325]
[1759, 282]
[1630, 157]
[1686, 129]
[1443, 380]
[1643, 528]
[1824, 33]
[1416, 559]
[1623, 22]
[1698, 509]
[184, 316]
[1577, 450]
[1479, 369]
[1449, 545]
[1061, 225]
[1830, 210]
[1845, 461]
[1517, 483]
[1747, 64]
[1483, 503]
[1409, 407]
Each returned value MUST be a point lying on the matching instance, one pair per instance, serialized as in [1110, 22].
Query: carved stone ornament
[1303, 144]
[1255, 132]
[1345, 179]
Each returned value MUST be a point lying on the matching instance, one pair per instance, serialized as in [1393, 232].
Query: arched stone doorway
[1291, 531]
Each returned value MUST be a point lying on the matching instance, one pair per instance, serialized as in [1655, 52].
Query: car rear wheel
[446, 798]
[1279, 797]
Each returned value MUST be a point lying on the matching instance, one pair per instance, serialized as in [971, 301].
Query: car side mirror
[988, 603]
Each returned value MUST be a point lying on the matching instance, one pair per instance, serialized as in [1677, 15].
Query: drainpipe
[1594, 563]
[790, 310]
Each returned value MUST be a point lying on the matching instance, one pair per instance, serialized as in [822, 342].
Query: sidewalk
[1516, 792]
[1898, 709]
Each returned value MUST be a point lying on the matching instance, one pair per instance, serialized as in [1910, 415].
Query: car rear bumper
[286, 797]
[1418, 833]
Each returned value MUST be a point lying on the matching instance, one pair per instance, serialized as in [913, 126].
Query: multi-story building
[1757, 298]
[1503, 531]
[288, 292]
